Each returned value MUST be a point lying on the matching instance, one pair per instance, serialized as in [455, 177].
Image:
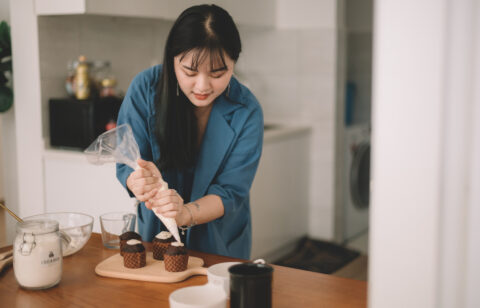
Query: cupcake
[176, 257]
[134, 255]
[129, 235]
[160, 244]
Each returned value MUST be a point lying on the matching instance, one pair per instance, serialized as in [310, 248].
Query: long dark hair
[203, 30]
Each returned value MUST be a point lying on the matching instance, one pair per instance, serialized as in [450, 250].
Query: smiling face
[202, 78]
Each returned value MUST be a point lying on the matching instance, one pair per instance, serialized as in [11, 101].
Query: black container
[76, 123]
[251, 285]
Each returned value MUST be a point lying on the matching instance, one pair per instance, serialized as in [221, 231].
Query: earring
[228, 90]
[178, 91]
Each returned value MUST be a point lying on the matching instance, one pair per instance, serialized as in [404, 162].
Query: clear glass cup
[115, 224]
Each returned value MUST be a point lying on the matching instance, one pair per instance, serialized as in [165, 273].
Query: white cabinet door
[279, 198]
[74, 185]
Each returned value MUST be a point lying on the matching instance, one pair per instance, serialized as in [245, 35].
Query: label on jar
[53, 257]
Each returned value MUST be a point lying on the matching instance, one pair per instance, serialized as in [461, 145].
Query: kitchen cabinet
[72, 184]
[246, 12]
[279, 197]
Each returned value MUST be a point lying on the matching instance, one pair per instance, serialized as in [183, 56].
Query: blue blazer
[226, 163]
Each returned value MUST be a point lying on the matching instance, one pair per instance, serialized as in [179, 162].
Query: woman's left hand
[167, 203]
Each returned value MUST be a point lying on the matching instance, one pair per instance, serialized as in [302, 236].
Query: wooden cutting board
[154, 271]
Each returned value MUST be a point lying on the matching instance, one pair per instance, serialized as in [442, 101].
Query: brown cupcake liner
[122, 244]
[176, 263]
[159, 249]
[134, 259]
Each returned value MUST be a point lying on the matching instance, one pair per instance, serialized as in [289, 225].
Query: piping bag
[118, 145]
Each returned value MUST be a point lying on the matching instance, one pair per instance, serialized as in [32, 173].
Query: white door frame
[425, 154]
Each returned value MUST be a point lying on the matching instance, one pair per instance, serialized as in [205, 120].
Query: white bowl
[219, 276]
[76, 225]
[206, 296]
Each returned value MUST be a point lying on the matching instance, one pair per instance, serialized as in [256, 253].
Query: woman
[199, 130]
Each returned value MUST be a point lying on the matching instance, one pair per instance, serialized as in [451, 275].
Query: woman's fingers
[143, 189]
[167, 207]
[169, 210]
[145, 192]
[167, 203]
[147, 196]
[142, 181]
[164, 201]
[150, 166]
[165, 193]
[170, 214]
[141, 173]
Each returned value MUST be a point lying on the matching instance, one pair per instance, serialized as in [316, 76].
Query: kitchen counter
[80, 286]
[275, 132]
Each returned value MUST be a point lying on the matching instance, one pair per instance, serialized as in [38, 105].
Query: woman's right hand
[145, 181]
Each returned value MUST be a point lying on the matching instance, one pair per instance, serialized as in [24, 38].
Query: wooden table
[80, 286]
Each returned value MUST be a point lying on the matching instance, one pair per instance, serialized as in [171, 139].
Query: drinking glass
[115, 224]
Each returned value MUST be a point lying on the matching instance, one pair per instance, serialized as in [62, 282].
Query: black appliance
[76, 123]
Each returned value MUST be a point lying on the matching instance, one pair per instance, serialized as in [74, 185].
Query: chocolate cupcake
[176, 257]
[129, 235]
[160, 244]
[134, 255]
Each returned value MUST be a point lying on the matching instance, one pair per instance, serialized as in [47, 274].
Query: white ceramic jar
[37, 255]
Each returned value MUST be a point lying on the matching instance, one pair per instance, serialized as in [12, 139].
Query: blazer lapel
[217, 139]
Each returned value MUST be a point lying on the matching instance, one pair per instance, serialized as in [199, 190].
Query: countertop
[273, 132]
[80, 286]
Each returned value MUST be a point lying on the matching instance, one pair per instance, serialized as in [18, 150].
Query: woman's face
[203, 84]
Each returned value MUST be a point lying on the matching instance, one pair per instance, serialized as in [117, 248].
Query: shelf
[125, 8]
[247, 12]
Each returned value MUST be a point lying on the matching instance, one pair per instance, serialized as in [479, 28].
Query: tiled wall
[291, 72]
[130, 44]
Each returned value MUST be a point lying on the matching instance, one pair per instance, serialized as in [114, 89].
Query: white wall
[425, 218]
[406, 143]
[301, 85]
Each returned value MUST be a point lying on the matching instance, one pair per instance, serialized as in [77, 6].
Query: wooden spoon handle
[6, 254]
[11, 213]
[5, 262]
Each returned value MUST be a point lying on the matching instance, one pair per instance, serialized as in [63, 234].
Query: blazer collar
[216, 142]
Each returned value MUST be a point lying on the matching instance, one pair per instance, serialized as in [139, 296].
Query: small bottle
[108, 87]
[82, 80]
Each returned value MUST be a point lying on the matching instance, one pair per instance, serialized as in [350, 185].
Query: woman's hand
[168, 203]
[145, 182]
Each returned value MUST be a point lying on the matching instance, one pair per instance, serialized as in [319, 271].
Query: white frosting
[133, 242]
[177, 244]
[164, 235]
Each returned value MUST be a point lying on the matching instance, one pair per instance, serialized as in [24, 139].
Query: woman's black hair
[203, 30]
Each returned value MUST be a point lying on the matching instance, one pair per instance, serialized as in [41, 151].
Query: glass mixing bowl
[77, 226]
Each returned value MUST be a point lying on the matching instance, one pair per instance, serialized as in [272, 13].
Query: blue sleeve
[135, 111]
[234, 181]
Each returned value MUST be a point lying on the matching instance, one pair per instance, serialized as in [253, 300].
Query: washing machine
[356, 181]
